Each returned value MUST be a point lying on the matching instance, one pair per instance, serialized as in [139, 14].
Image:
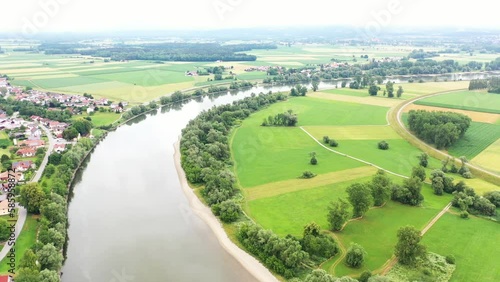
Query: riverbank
[259, 271]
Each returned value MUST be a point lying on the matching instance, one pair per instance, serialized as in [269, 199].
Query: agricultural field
[100, 118]
[480, 101]
[474, 242]
[489, 158]
[477, 138]
[475, 116]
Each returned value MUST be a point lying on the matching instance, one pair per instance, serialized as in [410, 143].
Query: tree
[423, 159]
[382, 145]
[28, 260]
[315, 85]
[27, 275]
[319, 275]
[493, 197]
[52, 236]
[312, 229]
[313, 160]
[373, 90]
[32, 197]
[389, 86]
[49, 170]
[326, 139]
[338, 214]
[365, 276]
[400, 91]
[360, 197]
[4, 230]
[48, 276]
[228, 211]
[4, 158]
[70, 133]
[419, 172]
[408, 248]
[381, 188]
[55, 158]
[50, 258]
[83, 126]
[355, 256]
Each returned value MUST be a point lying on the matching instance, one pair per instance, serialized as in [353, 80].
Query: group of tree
[205, 154]
[329, 141]
[492, 84]
[298, 90]
[27, 109]
[80, 126]
[288, 256]
[440, 128]
[287, 118]
[361, 197]
[409, 193]
[466, 199]
[197, 52]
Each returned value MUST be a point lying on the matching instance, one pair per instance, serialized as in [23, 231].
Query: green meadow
[477, 138]
[480, 101]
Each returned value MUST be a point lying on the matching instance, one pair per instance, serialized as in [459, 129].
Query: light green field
[361, 132]
[490, 157]
[477, 138]
[100, 119]
[26, 239]
[348, 92]
[465, 100]
[418, 89]
[475, 243]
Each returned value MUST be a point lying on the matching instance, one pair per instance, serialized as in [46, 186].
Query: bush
[307, 174]
[467, 175]
[450, 259]
[228, 211]
[355, 256]
[493, 197]
[365, 276]
[326, 139]
[314, 161]
[333, 143]
[382, 145]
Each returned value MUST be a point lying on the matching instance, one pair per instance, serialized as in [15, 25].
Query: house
[26, 152]
[4, 176]
[59, 148]
[4, 210]
[6, 278]
[22, 165]
[32, 143]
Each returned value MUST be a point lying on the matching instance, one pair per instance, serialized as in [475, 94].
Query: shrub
[314, 161]
[382, 145]
[228, 211]
[467, 175]
[307, 174]
[450, 259]
[333, 143]
[326, 139]
[355, 256]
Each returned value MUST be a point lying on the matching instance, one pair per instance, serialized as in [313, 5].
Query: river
[128, 217]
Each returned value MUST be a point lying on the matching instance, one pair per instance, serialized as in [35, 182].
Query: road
[22, 211]
[52, 142]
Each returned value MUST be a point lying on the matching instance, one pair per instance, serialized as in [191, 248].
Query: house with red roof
[59, 148]
[26, 152]
[32, 143]
[22, 165]
[6, 278]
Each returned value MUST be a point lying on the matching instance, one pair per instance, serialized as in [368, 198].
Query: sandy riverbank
[259, 271]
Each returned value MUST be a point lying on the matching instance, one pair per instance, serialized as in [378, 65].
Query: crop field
[489, 158]
[419, 89]
[465, 100]
[475, 116]
[475, 243]
[477, 138]
[367, 100]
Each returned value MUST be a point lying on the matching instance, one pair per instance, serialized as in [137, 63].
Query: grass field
[475, 243]
[99, 118]
[475, 116]
[490, 157]
[477, 138]
[362, 132]
[25, 240]
[377, 230]
[348, 92]
[260, 152]
[465, 100]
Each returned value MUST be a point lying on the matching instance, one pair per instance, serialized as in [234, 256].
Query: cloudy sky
[107, 15]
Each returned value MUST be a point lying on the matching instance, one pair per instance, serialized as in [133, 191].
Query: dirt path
[394, 260]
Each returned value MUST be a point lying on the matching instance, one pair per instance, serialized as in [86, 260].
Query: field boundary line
[351, 157]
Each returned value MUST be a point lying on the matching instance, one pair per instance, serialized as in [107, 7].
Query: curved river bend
[129, 219]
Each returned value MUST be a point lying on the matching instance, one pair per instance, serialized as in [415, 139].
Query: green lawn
[477, 138]
[100, 118]
[475, 243]
[465, 100]
[26, 239]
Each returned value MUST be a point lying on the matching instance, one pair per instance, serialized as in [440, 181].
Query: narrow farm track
[343, 252]
[394, 260]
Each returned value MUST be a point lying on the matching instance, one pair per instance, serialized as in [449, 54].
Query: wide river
[129, 219]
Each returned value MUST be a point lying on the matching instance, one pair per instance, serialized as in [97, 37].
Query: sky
[33, 16]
